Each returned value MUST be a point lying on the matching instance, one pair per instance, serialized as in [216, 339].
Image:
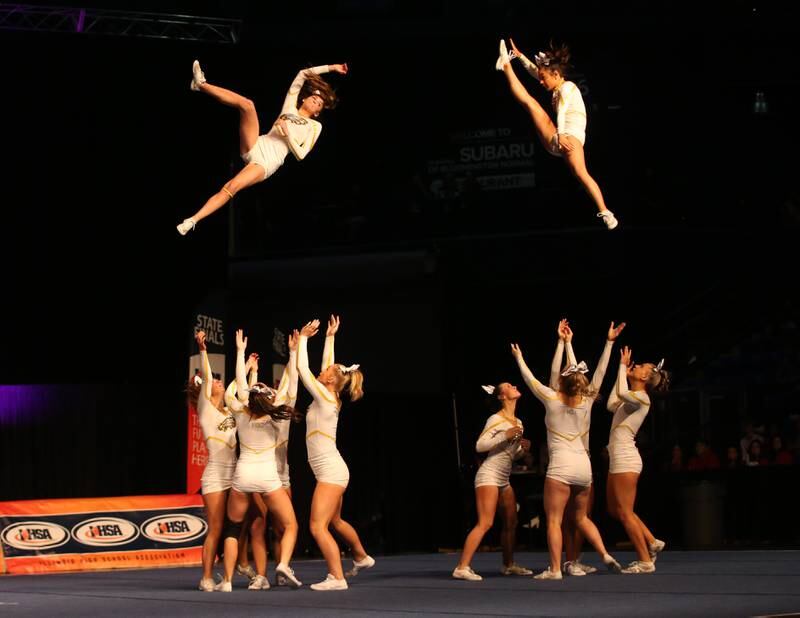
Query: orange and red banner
[84, 534]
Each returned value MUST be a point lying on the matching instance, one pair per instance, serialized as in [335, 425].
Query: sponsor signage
[101, 533]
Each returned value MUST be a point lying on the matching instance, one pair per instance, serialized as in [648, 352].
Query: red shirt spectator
[703, 459]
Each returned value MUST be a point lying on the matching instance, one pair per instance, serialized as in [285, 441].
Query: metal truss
[119, 23]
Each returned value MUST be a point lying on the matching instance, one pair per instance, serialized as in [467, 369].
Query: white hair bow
[263, 388]
[659, 367]
[542, 59]
[350, 368]
[573, 368]
[198, 381]
[488, 389]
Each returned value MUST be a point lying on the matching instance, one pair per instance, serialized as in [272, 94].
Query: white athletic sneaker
[360, 565]
[612, 564]
[330, 583]
[223, 586]
[637, 566]
[515, 569]
[198, 77]
[655, 548]
[572, 568]
[548, 574]
[185, 227]
[286, 572]
[609, 219]
[206, 584]
[466, 573]
[259, 582]
[504, 58]
[247, 571]
[586, 568]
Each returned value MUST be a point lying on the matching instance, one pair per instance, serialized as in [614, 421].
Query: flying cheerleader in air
[567, 137]
[295, 130]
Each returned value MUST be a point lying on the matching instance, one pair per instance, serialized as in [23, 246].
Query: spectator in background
[755, 456]
[780, 456]
[676, 462]
[732, 459]
[703, 459]
[751, 433]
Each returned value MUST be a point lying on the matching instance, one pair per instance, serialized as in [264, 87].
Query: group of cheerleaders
[568, 399]
[297, 128]
[256, 417]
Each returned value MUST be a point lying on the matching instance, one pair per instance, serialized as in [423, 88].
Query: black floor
[733, 583]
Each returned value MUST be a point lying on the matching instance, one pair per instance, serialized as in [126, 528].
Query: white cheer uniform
[570, 110]
[321, 420]
[271, 149]
[219, 433]
[496, 468]
[630, 408]
[257, 469]
[567, 425]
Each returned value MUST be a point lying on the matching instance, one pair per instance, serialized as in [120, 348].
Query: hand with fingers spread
[333, 325]
[241, 340]
[514, 48]
[200, 338]
[625, 355]
[310, 329]
[294, 337]
[515, 350]
[613, 333]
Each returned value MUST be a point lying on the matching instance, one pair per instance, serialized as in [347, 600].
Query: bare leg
[569, 532]
[625, 494]
[541, 120]
[237, 509]
[576, 162]
[556, 496]
[486, 502]
[215, 515]
[324, 504]
[248, 119]
[583, 523]
[508, 533]
[348, 533]
[277, 527]
[250, 175]
[280, 506]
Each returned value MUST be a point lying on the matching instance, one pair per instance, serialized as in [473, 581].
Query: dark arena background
[431, 219]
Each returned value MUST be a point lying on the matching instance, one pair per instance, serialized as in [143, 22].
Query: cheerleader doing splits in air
[629, 402]
[569, 472]
[295, 129]
[565, 138]
[326, 462]
[502, 439]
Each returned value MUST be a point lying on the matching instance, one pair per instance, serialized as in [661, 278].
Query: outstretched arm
[530, 67]
[602, 364]
[330, 334]
[205, 365]
[287, 389]
[621, 391]
[564, 336]
[317, 390]
[290, 102]
[241, 367]
[540, 391]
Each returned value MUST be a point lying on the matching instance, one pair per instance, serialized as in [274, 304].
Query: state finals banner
[89, 534]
